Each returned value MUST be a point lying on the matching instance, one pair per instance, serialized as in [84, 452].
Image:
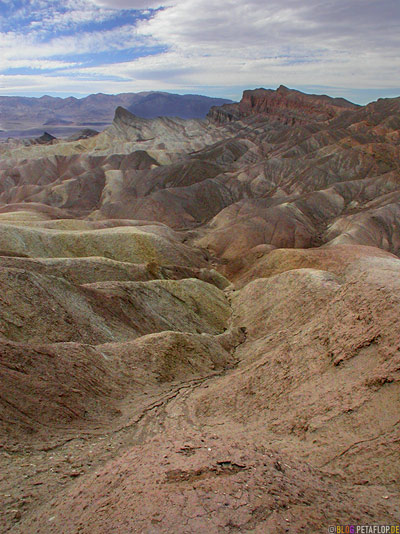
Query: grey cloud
[285, 41]
[272, 22]
[129, 4]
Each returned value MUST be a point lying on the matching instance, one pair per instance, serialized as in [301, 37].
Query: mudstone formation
[199, 321]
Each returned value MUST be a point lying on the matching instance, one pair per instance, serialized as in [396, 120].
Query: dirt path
[163, 467]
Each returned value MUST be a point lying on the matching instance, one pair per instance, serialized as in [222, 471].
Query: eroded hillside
[199, 322]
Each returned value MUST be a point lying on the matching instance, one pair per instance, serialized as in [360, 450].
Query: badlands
[199, 322]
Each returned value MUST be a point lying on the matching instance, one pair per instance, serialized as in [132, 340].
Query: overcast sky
[349, 48]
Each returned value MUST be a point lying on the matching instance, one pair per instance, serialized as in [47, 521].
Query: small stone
[16, 514]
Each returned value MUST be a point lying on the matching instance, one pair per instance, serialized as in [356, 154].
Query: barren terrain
[199, 322]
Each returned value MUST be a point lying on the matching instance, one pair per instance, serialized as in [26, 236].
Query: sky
[348, 48]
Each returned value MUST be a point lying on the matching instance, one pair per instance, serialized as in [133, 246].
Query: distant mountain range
[24, 116]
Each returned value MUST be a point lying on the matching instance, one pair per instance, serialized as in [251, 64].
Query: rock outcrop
[284, 105]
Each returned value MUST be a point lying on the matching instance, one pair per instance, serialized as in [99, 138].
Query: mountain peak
[122, 113]
[283, 89]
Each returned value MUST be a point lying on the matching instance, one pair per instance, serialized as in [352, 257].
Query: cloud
[184, 71]
[39, 84]
[35, 64]
[207, 44]
[130, 4]
[354, 43]
[51, 15]
[14, 46]
[271, 24]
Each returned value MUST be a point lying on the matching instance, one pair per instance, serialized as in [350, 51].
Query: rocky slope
[284, 105]
[199, 322]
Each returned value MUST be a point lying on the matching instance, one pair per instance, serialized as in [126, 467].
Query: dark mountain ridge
[21, 114]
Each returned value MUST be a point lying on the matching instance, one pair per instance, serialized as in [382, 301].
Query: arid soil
[199, 322]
